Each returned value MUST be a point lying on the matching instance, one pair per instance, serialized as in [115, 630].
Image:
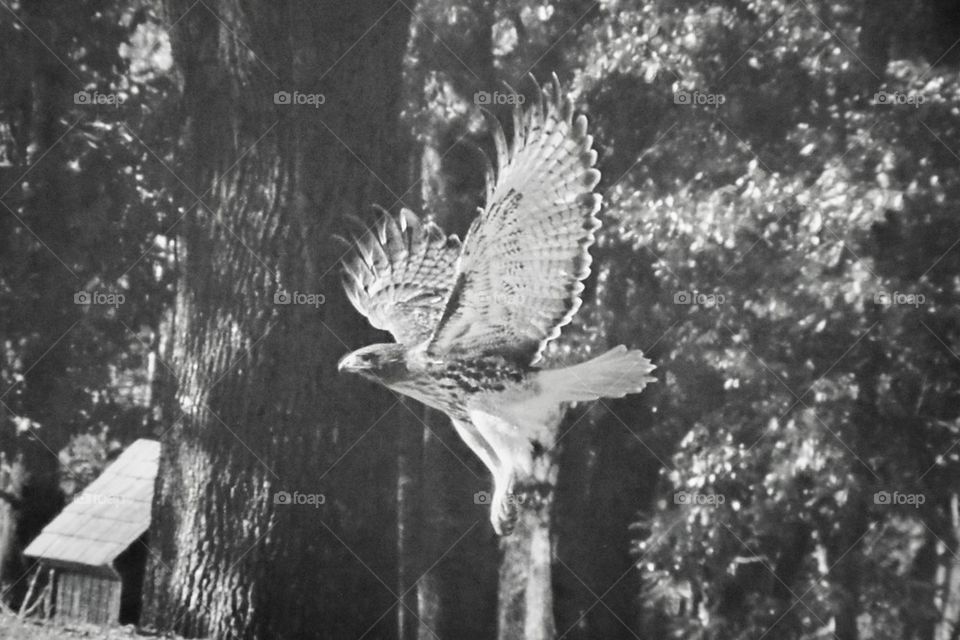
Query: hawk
[471, 318]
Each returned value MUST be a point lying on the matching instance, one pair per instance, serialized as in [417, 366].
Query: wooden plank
[116, 590]
[91, 602]
[68, 596]
[58, 597]
[79, 609]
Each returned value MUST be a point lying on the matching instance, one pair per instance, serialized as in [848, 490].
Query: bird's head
[383, 363]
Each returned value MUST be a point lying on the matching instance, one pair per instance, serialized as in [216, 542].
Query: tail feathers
[614, 374]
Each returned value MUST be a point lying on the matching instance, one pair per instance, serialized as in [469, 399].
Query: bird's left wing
[525, 255]
[400, 274]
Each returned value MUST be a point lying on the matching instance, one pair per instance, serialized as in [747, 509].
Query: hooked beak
[351, 362]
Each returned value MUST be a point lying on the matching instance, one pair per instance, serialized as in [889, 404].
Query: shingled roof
[106, 517]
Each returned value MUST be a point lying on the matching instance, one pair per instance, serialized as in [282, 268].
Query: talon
[505, 521]
[503, 514]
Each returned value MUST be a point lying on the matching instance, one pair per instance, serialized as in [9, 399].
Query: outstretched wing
[400, 274]
[526, 254]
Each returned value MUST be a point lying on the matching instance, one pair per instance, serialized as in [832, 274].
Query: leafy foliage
[796, 207]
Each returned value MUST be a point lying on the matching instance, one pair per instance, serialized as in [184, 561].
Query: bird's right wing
[526, 254]
[400, 274]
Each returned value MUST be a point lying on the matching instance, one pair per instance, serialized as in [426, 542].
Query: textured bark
[260, 408]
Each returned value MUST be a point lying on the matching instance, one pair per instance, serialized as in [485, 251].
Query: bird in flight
[471, 318]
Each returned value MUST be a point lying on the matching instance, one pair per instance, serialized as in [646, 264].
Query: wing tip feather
[552, 139]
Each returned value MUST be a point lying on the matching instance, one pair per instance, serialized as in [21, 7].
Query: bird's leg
[502, 476]
[510, 443]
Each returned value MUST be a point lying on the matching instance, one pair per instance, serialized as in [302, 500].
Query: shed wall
[86, 598]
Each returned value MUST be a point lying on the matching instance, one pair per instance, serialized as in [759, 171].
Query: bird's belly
[455, 386]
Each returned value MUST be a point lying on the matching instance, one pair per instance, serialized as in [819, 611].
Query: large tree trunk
[261, 408]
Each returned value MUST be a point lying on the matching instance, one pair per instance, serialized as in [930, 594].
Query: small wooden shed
[95, 549]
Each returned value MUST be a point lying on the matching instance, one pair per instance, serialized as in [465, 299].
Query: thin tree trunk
[34, 106]
[526, 592]
[409, 467]
[949, 626]
[846, 548]
[261, 415]
[10, 565]
[456, 549]
[845, 558]
[457, 591]
[526, 577]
